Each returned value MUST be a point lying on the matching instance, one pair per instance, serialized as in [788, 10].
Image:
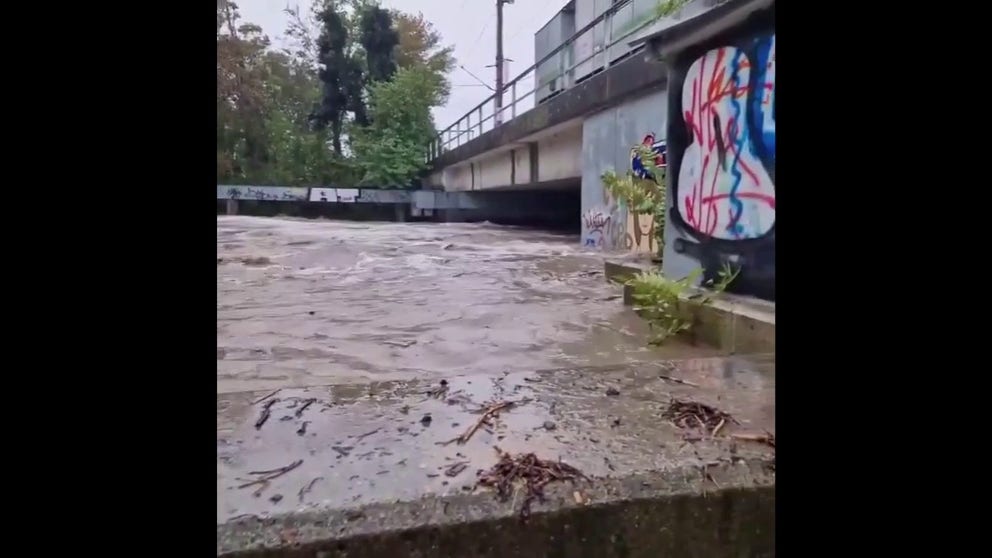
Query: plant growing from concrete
[642, 195]
[661, 9]
[662, 301]
[668, 7]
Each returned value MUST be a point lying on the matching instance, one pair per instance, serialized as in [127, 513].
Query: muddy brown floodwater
[306, 303]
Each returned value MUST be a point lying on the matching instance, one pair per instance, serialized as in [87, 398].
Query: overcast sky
[469, 25]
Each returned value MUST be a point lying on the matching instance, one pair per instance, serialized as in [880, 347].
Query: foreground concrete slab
[377, 476]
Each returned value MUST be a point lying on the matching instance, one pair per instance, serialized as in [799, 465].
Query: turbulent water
[304, 303]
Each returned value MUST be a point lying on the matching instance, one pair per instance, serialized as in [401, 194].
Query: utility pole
[498, 116]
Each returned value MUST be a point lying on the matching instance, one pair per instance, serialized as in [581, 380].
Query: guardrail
[604, 38]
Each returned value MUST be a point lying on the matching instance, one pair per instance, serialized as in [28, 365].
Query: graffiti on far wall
[263, 193]
[339, 195]
[723, 192]
[347, 195]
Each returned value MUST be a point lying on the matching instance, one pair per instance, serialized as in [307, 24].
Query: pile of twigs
[532, 472]
[692, 414]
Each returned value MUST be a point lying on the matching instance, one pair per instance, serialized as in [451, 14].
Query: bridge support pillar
[400, 210]
[232, 207]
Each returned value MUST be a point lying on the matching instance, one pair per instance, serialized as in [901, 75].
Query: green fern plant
[658, 299]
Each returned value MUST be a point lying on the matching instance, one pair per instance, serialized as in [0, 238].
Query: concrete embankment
[732, 323]
[375, 474]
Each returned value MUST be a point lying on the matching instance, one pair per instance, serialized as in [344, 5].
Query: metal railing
[600, 43]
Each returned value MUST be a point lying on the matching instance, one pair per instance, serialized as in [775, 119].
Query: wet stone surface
[367, 443]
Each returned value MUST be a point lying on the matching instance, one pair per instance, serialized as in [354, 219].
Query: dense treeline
[347, 104]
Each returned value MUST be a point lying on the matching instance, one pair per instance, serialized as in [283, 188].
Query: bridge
[609, 77]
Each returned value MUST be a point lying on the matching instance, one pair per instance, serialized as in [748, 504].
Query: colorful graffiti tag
[640, 227]
[723, 194]
[659, 147]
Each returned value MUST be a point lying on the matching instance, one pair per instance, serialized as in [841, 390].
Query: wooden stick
[490, 411]
[762, 438]
[718, 427]
[257, 401]
[678, 381]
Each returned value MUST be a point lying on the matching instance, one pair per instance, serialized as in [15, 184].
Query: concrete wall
[554, 157]
[607, 140]
[559, 155]
[722, 187]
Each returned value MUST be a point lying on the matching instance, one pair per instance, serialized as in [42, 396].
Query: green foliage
[645, 196]
[668, 7]
[390, 150]
[661, 301]
[286, 117]
[662, 9]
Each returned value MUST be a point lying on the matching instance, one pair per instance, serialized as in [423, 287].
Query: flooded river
[306, 303]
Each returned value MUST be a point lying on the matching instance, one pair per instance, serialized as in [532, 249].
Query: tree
[420, 45]
[335, 74]
[378, 38]
[279, 111]
[390, 151]
[241, 50]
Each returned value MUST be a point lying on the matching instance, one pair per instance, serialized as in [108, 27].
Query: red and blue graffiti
[660, 149]
[722, 132]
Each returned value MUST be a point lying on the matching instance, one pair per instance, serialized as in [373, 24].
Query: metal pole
[513, 100]
[499, 63]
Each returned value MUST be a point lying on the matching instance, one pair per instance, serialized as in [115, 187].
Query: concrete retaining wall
[644, 517]
[733, 323]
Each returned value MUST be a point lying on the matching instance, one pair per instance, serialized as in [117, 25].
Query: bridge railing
[594, 47]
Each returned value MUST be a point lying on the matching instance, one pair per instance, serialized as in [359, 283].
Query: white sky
[469, 25]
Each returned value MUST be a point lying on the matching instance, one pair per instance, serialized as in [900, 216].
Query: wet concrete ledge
[736, 324]
[679, 513]
[373, 476]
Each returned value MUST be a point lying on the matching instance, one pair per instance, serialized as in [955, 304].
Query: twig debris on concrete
[767, 438]
[361, 437]
[306, 403]
[308, 487]
[263, 398]
[488, 412]
[678, 381]
[456, 468]
[266, 476]
[532, 472]
[266, 412]
[692, 414]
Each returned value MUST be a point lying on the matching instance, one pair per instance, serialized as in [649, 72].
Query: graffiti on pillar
[723, 187]
[641, 234]
[597, 226]
[640, 237]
